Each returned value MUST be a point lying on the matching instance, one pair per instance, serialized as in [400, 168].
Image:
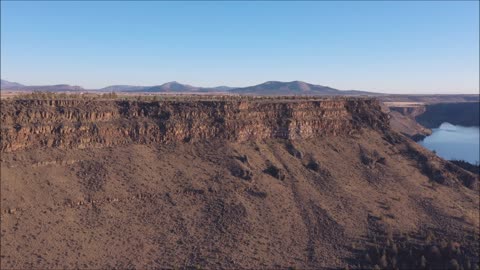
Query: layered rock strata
[28, 124]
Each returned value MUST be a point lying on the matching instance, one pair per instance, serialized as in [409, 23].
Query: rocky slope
[238, 183]
[402, 119]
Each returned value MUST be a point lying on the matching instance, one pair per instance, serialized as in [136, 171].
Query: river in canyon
[455, 142]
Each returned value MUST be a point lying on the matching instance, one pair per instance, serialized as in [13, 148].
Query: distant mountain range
[170, 87]
[10, 85]
[13, 86]
[267, 88]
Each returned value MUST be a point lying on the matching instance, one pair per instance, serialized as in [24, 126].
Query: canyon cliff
[219, 183]
[463, 114]
[29, 124]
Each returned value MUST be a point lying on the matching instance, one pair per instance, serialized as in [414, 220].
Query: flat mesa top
[177, 98]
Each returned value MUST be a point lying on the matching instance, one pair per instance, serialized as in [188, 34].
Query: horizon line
[394, 92]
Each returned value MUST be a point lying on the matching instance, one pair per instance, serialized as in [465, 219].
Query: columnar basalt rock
[28, 124]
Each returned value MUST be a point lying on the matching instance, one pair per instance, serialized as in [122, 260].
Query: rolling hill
[294, 88]
[13, 86]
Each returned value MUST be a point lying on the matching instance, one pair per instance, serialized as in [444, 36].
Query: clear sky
[394, 47]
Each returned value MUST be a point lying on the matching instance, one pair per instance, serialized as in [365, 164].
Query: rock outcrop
[28, 124]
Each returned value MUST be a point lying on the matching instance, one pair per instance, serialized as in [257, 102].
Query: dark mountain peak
[176, 86]
[171, 83]
[270, 82]
[299, 85]
[297, 82]
[173, 86]
[8, 85]
[287, 88]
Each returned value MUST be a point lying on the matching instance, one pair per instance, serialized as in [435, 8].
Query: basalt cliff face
[224, 184]
[28, 124]
[463, 114]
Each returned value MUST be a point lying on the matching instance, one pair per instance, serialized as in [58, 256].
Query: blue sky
[394, 47]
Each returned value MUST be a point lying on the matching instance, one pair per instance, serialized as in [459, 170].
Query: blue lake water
[454, 142]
